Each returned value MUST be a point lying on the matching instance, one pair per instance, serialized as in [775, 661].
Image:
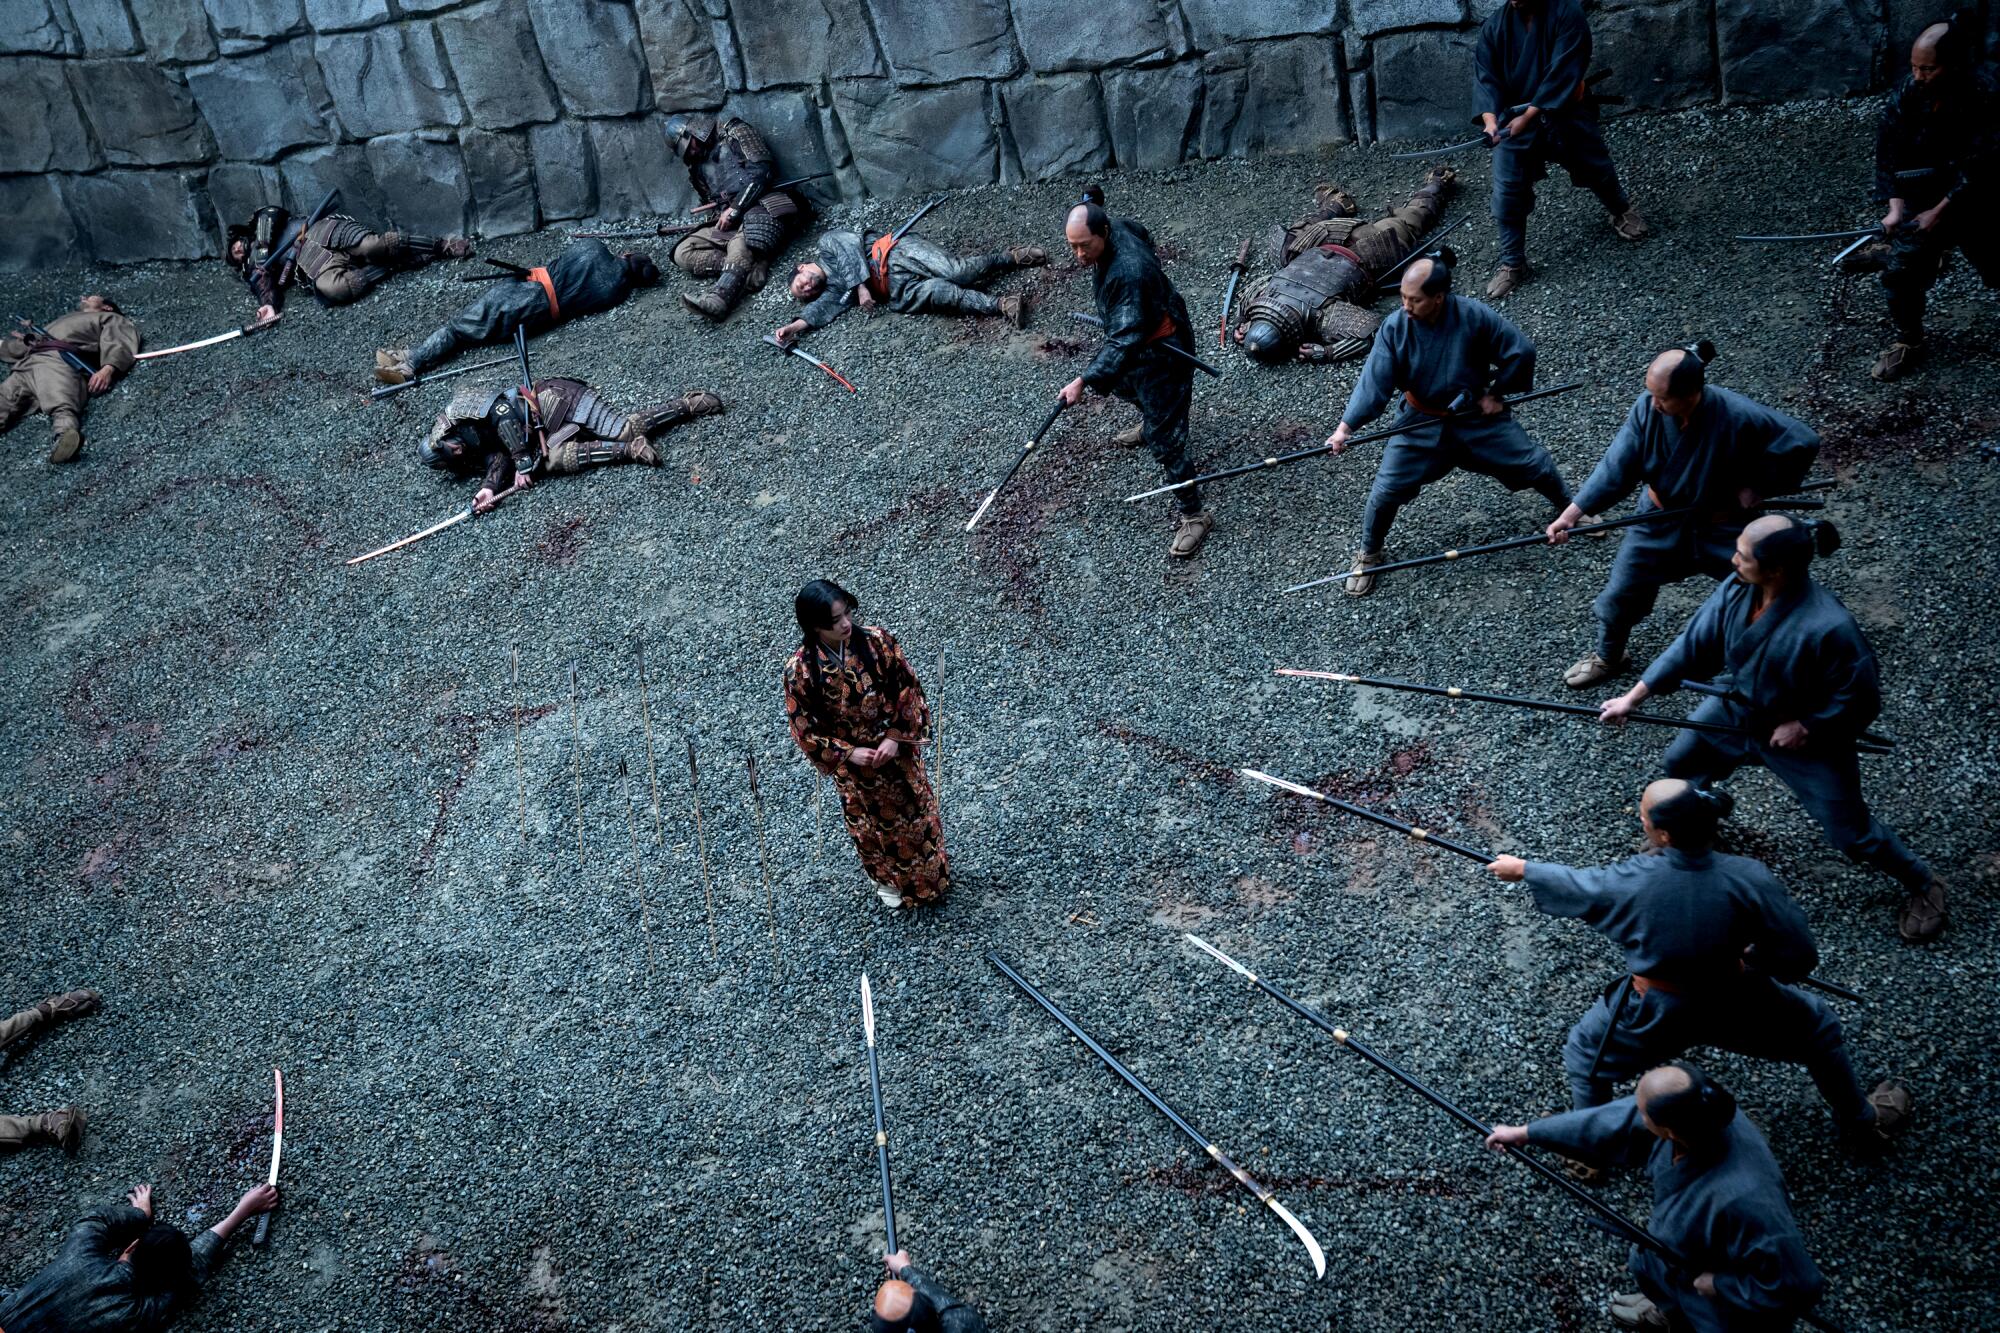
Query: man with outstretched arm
[1803, 687]
[1528, 78]
[1141, 311]
[122, 1272]
[1686, 442]
[908, 274]
[77, 357]
[911, 1302]
[1446, 354]
[1719, 1202]
[1712, 945]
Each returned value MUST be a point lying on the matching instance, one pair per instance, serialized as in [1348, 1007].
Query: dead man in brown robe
[84, 353]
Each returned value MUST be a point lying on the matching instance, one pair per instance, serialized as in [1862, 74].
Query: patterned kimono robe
[892, 813]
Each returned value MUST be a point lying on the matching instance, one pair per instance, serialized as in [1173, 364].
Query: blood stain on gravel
[1050, 346]
[104, 864]
[561, 542]
[1167, 750]
[261, 489]
[924, 504]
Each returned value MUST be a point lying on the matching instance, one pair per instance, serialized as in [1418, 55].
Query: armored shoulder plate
[743, 136]
[472, 402]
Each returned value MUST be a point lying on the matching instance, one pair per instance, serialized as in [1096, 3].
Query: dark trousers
[1650, 556]
[1826, 778]
[1161, 385]
[504, 306]
[1915, 257]
[1494, 447]
[1573, 143]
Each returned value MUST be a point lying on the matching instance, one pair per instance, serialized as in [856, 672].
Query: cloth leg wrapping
[17, 1131]
[1410, 462]
[20, 1025]
[58, 390]
[1828, 785]
[1914, 259]
[17, 399]
[939, 297]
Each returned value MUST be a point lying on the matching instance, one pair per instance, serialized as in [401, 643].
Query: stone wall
[129, 129]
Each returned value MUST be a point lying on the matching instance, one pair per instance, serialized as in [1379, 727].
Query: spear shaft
[881, 1133]
[652, 769]
[763, 850]
[1022, 457]
[638, 873]
[520, 777]
[576, 755]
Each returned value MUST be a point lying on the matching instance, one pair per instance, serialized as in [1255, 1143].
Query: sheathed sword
[1178, 351]
[1180, 1122]
[277, 1150]
[1019, 459]
[1424, 247]
[803, 355]
[255, 326]
[36, 331]
[1229, 293]
[1476, 854]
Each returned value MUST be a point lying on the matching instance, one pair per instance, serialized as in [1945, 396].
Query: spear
[1543, 705]
[1403, 426]
[1589, 530]
[881, 1134]
[390, 390]
[1180, 1122]
[520, 778]
[1478, 854]
[1162, 343]
[638, 872]
[1623, 1226]
[576, 755]
[646, 716]
[937, 733]
[763, 850]
[1425, 246]
[701, 845]
[1021, 458]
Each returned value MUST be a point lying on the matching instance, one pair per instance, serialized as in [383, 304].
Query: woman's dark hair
[1698, 1114]
[1792, 548]
[162, 1261]
[814, 609]
[1690, 818]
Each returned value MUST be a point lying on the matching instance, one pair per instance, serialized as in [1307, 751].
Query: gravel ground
[268, 804]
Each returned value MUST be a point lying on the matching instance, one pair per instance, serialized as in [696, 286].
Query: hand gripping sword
[1019, 459]
[277, 1150]
[803, 355]
[1180, 1122]
[1480, 139]
[256, 326]
[881, 1134]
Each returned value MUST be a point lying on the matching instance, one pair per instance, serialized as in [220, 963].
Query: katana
[915, 218]
[1402, 426]
[1019, 459]
[255, 326]
[1476, 854]
[875, 1091]
[803, 355]
[1482, 138]
[1229, 293]
[1180, 1122]
[470, 511]
[1848, 250]
[1588, 530]
[1428, 244]
[40, 334]
[1540, 705]
[1178, 351]
[277, 1150]
[389, 390]
[1820, 235]
[1624, 1227]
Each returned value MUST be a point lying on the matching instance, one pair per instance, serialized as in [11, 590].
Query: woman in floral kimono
[857, 711]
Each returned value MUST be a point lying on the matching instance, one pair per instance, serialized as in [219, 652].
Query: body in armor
[507, 438]
[732, 167]
[339, 258]
[1328, 264]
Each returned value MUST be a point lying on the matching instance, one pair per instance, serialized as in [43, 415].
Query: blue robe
[1540, 63]
[1468, 350]
[1804, 661]
[1726, 1213]
[1730, 444]
[1686, 921]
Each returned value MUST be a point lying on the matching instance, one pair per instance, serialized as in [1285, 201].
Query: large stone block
[937, 41]
[41, 127]
[1285, 97]
[905, 140]
[1153, 114]
[143, 116]
[803, 41]
[790, 123]
[238, 189]
[1376, 16]
[503, 181]
[1657, 52]
[1058, 125]
[34, 27]
[261, 105]
[565, 172]
[129, 217]
[679, 42]
[636, 172]
[175, 31]
[1778, 49]
[104, 28]
[309, 175]
[498, 64]
[389, 80]
[39, 231]
[1423, 84]
[592, 50]
[1060, 35]
[341, 15]
[1221, 22]
[423, 180]
[251, 25]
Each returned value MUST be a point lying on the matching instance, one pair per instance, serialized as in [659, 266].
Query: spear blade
[867, 1011]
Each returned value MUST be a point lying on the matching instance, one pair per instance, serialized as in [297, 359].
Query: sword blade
[1818, 235]
[263, 1230]
[1438, 152]
[414, 537]
[257, 327]
[867, 1010]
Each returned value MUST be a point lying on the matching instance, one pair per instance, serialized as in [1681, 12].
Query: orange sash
[878, 265]
[540, 277]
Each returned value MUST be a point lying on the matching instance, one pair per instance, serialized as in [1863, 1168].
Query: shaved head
[1758, 529]
[1662, 1082]
[1415, 276]
[1077, 223]
[893, 1300]
[1665, 789]
[1087, 232]
[1931, 38]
